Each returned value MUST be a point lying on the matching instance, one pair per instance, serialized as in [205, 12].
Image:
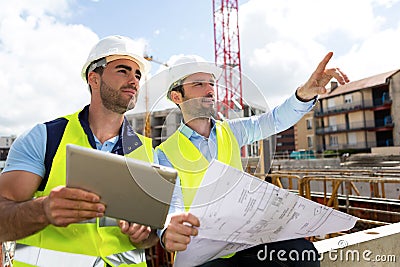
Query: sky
[44, 44]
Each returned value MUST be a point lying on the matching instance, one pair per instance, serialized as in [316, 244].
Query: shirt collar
[126, 143]
[189, 132]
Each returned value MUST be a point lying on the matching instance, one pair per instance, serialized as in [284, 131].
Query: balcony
[347, 107]
[385, 123]
[377, 103]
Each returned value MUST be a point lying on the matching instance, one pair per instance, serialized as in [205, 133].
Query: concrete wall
[306, 163]
[373, 247]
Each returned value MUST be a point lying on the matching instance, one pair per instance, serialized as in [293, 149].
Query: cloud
[283, 41]
[41, 62]
[281, 44]
[41, 59]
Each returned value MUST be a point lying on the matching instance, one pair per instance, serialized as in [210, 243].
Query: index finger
[80, 194]
[322, 65]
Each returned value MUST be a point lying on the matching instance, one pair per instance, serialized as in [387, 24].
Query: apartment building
[359, 115]
[304, 132]
[285, 143]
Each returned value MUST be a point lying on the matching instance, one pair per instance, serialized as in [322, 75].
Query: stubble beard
[112, 100]
[196, 109]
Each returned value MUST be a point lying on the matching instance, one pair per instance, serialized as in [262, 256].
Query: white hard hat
[183, 66]
[112, 48]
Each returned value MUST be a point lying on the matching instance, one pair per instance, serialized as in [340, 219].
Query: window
[309, 124]
[310, 141]
[331, 102]
[352, 138]
[253, 149]
[332, 123]
[348, 99]
[333, 140]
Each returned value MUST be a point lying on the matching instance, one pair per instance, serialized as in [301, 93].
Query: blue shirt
[246, 130]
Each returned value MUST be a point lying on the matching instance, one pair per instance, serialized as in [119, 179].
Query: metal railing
[340, 189]
[356, 125]
[353, 106]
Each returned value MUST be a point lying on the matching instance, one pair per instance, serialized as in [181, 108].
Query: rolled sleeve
[28, 151]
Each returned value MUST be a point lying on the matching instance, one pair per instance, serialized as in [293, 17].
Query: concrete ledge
[373, 247]
[306, 163]
[386, 151]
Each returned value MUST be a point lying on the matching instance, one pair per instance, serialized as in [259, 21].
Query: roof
[369, 82]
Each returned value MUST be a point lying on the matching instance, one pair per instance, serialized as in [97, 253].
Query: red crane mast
[227, 53]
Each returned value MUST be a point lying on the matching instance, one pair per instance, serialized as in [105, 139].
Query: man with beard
[58, 226]
[200, 139]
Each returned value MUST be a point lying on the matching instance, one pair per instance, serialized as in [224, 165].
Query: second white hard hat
[185, 65]
[115, 47]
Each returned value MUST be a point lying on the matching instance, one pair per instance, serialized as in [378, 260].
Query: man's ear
[176, 97]
[93, 79]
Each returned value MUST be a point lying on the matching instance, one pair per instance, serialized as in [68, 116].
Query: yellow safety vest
[83, 244]
[192, 165]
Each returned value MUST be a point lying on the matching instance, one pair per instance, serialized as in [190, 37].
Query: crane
[150, 58]
[227, 54]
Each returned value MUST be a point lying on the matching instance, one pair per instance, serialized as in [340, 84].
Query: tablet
[132, 190]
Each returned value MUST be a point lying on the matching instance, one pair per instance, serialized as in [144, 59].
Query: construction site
[365, 185]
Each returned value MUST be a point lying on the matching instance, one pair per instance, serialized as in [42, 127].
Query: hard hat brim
[144, 65]
[115, 47]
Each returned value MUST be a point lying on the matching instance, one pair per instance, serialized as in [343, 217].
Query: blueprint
[237, 211]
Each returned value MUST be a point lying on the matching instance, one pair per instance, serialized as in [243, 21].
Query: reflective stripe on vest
[33, 256]
[93, 238]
